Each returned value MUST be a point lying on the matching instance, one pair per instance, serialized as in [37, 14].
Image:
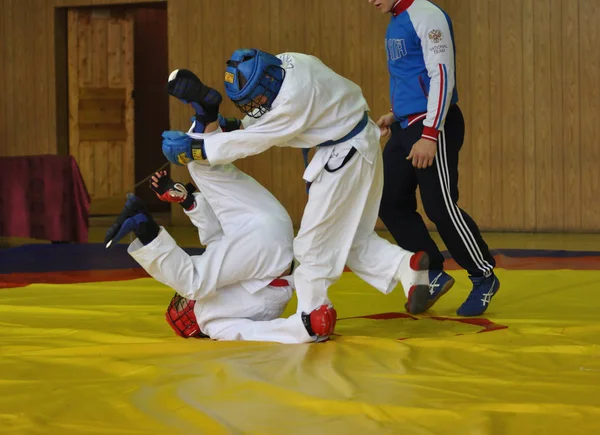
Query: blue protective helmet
[251, 74]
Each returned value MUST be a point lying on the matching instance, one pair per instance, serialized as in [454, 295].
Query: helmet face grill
[252, 109]
[180, 316]
[263, 94]
[253, 79]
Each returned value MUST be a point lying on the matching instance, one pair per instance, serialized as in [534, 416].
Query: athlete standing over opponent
[294, 100]
[427, 133]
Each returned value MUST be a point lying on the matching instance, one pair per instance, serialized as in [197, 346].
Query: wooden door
[101, 129]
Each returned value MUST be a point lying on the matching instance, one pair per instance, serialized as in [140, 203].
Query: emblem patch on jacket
[435, 36]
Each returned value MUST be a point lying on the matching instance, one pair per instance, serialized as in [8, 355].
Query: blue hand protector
[130, 224]
[189, 89]
[181, 149]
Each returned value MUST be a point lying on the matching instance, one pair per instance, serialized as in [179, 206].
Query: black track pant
[438, 185]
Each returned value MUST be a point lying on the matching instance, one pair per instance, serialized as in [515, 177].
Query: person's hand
[423, 153]
[384, 123]
[176, 147]
[166, 189]
[180, 149]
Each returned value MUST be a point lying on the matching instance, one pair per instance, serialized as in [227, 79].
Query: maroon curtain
[43, 197]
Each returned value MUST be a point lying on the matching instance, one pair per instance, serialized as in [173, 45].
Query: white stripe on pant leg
[458, 219]
[453, 209]
[461, 218]
[452, 217]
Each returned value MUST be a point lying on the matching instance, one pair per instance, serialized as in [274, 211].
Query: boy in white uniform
[234, 290]
[294, 100]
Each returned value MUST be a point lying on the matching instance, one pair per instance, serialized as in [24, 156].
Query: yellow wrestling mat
[98, 358]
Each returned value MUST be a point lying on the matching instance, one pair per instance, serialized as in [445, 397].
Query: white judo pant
[338, 226]
[248, 237]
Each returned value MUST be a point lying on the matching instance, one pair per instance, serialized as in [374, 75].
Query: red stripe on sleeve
[441, 96]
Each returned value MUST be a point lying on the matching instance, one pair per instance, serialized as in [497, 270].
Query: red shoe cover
[419, 261]
[322, 320]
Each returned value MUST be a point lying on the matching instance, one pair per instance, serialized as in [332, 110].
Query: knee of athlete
[280, 226]
[268, 240]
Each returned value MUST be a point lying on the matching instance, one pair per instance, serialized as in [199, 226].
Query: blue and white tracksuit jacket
[421, 62]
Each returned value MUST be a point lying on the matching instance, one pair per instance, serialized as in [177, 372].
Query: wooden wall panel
[461, 20]
[571, 115]
[3, 72]
[181, 18]
[11, 145]
[513, 212]
[74, 3]
[494, 137]
[589, 39]
[541, 84]
[480, 92]
[528, 76]
[553, 219]
[28, 76]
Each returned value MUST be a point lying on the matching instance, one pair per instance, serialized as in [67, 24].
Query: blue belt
[359, 127]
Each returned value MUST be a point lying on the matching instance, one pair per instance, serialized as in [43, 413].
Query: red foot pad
[418, 299]
[419, 261]
[322, 320]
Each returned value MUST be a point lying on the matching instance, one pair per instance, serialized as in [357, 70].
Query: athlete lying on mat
[241, 284]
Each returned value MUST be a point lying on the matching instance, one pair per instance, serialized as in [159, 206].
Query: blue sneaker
[480, 297]
[439, 283]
